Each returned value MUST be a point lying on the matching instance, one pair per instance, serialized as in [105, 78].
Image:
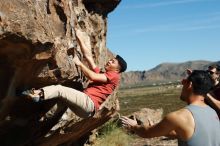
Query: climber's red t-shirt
[99, 92]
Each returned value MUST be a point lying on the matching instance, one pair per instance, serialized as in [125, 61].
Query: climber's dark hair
[122, 63]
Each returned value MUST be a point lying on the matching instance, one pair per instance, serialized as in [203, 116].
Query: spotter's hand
[128, 123]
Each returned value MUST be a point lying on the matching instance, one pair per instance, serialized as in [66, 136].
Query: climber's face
[112, 65]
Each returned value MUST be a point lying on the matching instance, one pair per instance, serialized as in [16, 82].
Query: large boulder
[37, 44]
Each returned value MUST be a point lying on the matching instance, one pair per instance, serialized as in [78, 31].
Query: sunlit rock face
[37, 44]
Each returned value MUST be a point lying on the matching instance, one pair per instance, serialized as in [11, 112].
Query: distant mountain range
[163, 73]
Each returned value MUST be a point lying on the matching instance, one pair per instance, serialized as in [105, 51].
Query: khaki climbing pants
[80, 103]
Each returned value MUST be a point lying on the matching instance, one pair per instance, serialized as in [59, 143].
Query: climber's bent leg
[80, 103]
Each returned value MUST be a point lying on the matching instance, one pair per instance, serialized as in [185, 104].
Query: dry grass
[165, 97]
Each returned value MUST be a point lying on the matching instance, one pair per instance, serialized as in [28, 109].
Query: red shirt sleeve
[96, 70]
[112, 76]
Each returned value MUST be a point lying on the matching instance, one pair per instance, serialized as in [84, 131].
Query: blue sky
[149, 32]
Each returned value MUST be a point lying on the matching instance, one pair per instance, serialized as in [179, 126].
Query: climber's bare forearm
[91, 62]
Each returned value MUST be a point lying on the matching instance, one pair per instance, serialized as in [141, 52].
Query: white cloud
[164, 3]
[212, 22]
[173, 28]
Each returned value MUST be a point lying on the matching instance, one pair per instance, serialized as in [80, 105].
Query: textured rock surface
[37, 44]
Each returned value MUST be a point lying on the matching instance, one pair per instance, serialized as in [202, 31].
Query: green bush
[112, 135]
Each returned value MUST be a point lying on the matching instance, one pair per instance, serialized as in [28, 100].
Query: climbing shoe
[35, 95]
